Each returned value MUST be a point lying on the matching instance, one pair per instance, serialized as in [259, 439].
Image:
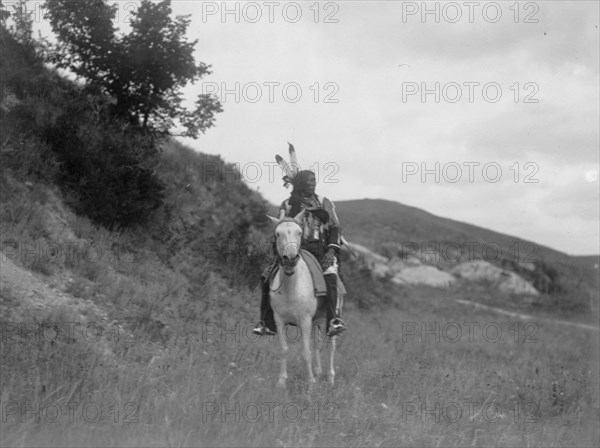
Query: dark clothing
[321, 224]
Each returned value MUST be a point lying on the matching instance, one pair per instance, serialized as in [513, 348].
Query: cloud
[550, 34]
[370, 55]
[536, 133]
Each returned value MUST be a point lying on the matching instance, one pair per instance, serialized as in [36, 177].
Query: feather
[284, 166]
[295, 168]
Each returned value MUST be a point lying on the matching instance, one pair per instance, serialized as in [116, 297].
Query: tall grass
[543, 392]
[175, 363]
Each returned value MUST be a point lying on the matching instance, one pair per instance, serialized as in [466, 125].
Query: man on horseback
[321, 237]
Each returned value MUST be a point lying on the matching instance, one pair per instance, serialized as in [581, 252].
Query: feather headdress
[290, 170]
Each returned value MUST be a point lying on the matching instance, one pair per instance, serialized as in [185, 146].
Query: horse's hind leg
[283, 355]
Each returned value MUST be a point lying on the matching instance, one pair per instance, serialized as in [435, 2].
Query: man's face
[310, 184]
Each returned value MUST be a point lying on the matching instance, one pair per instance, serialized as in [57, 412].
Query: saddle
[316, 273]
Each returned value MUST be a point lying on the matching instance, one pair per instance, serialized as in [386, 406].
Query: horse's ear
[273, 220]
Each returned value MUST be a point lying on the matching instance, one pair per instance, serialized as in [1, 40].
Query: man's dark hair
[299, 183]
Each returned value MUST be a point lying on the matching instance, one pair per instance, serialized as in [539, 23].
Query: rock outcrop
[410, 270]
[424, 275]
[506, 281]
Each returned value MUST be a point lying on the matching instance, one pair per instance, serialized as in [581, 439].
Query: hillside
[388, 221]
[397, 230]
[588, 261]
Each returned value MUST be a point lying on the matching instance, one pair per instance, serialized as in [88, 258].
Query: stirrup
[336, 327]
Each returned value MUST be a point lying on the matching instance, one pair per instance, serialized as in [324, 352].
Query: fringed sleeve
[335, 230]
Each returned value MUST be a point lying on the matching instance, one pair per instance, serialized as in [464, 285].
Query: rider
[321, 237]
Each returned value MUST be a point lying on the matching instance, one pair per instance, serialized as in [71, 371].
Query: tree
[22, 23]
[143, 71]
[4, 14]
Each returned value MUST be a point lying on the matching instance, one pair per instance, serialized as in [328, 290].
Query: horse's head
[288, 235]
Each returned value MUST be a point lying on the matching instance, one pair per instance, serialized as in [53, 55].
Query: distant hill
[376, 221]
[389, 227]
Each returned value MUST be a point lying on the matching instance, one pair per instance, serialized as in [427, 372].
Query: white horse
[294, 302]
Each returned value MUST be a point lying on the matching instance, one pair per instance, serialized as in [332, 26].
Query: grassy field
[405, 377]
[189, 373]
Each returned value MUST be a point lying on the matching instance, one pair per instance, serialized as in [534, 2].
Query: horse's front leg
[306, 327]
[284, 351]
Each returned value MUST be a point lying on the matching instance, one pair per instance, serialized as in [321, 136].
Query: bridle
[287, 264]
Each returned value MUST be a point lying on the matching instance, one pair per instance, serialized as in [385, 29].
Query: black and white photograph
[285, 224]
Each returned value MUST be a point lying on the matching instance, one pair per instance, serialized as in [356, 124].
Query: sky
[482, 112]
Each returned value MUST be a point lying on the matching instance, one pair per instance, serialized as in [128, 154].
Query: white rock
[424, 275]
[504, 280]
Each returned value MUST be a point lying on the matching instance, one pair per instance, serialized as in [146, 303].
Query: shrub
[104, 164]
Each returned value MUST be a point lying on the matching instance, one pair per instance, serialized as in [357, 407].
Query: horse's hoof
[280, 384]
